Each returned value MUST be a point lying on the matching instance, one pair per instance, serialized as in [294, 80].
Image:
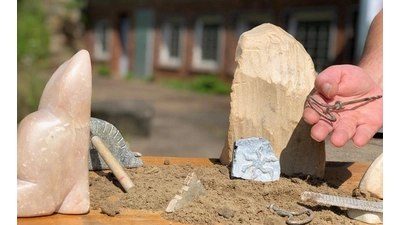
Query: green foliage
[175, 83]
[33, 51]
[149, 78]
[33, 47]
[209, 83]
[29, 91]
[74, 4]
[129, 76]
[206, 83]
[33, 41]
[104, 70]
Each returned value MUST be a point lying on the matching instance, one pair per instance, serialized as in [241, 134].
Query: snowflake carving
[257, 162]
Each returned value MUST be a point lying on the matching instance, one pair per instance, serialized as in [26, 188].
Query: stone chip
[191, 189]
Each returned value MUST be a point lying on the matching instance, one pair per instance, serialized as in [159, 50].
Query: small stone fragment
[254, 159]
[226, 212]
[296, 180]
[166, 162]
[110, 208]
[191, 189]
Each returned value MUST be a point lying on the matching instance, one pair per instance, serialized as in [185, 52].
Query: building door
[124, 31]
[144, 41]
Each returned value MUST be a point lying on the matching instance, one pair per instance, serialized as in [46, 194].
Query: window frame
[99, 52]
[351, 27]
[165, 59]
[317, 15]
[198, 61]
[244, 19]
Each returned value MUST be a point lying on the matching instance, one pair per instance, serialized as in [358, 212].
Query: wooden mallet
[113, 164]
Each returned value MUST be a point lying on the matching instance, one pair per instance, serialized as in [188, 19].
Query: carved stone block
[254, 159]
[273, 77]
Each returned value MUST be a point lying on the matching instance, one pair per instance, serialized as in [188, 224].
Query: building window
[171, 52]
[349, 51]
[316, 32]
[247, 22]
[208, 43]
[102, 40]
[314, 35]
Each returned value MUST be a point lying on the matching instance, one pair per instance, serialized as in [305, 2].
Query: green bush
[33, 36]
[175, 83]
[31, 84]
[209, 83]
[33, 48]
[206, 83]
[129, 76]
[104, 70]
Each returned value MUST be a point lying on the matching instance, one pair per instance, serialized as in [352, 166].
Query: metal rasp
[114, 141]
[351, 203]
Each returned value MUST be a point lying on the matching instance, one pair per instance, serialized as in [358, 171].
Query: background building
[184, 38]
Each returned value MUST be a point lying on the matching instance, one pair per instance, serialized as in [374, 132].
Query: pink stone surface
[53, 144]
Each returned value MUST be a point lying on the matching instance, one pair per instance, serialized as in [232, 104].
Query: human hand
[359, 121]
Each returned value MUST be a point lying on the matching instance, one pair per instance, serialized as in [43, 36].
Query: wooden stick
[112, 162]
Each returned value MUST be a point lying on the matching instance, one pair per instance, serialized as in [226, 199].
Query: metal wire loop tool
[312, 101]
[291, 215]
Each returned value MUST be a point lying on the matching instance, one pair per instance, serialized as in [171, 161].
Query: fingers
[344, 130]
[321, 130]
[310, 116]
[344, 82]
[362, 137]
[312, 105]
[367, 129]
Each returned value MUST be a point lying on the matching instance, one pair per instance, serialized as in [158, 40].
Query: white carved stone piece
[273, 77]
[365, 216]
[53, 144]
[372, 181]
[254, 159]
[192, 188]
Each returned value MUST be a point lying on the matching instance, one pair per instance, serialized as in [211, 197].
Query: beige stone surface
[365, 216]
[372, 181]
[53, 144]
[273, 77]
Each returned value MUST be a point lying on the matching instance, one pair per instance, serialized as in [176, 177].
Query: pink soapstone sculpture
[53, 145]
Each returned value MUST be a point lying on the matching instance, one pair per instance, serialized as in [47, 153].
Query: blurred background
[168, 65]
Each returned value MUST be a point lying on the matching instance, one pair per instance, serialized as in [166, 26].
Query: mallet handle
[112, 162]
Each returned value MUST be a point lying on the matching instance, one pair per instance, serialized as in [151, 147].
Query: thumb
[326, 90]
[327, 82]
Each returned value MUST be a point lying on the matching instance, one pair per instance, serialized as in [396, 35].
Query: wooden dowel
[112, 162]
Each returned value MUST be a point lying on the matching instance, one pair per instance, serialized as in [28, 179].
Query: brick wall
[230, 12]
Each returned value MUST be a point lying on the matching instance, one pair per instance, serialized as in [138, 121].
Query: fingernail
[326, 88]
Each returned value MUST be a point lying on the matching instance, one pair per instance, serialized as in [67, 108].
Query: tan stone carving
[372, 181]
[273, 77]
[53, 145]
